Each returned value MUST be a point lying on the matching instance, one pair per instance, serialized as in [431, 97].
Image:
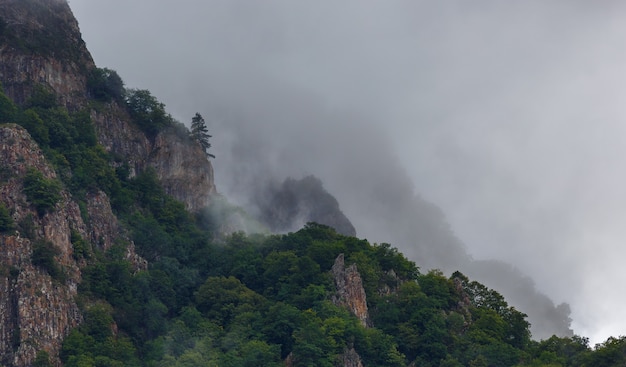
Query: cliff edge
[44, 229]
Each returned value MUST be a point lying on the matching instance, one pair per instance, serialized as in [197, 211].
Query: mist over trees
[373, 190]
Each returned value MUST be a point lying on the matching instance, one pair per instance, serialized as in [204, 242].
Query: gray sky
[508, 115]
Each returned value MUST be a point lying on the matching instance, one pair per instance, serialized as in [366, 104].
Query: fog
[506, 115]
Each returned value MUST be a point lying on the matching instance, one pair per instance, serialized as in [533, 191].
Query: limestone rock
[350, 358]
[183, 169]
[350, 291]
[36, 311]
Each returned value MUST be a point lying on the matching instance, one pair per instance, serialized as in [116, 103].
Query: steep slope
[40, 270]
[41, 47]
[50, 231]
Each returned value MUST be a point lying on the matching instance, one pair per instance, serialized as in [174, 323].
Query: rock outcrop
[351, 295]
[350, 291]
[350, 358]
[180, 163]
[290, 205]
[183, 169]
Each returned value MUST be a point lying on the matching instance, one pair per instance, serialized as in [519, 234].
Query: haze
[506, 115]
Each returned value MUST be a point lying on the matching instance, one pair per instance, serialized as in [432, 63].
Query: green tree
[6, 221]
[32, 122]
[105, 84]
[221, 299]
[147, 112]
[42, 192]
[8, 109]
[312, 346]
[609, 354]
[42, 359]
[200, 133]
[43, 257]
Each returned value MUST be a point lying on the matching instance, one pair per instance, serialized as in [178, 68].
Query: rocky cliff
[37, 306]
[351, 295]
[179, 163]
[41, 49]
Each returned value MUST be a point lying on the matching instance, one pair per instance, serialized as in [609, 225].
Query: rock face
[40, 44]
[183, 169]
[350, 292]
[36, 311]
[180, 163]
[37, 308]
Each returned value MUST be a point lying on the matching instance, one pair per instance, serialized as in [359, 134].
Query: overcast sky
[508, 115]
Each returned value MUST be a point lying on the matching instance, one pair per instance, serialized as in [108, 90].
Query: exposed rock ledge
[350, 292]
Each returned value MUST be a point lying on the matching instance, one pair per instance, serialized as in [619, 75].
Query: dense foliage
[43, 257]
[105, 85]
[42, 192]
[257, 300]
[6, 221]
[147, 112]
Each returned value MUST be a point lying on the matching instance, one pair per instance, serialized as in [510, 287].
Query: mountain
[290, 205]
[112, 251]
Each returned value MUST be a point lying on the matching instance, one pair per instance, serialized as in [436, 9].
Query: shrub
[147, 112]
[42, 192]
[6, 222]
[43, 257]
[105, 85]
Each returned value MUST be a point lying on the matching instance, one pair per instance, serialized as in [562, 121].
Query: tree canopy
[147, 112]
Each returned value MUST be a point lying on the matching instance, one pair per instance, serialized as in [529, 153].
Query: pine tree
[199, 131]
